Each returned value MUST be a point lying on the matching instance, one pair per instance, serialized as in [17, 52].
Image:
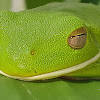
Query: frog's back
[89, 13]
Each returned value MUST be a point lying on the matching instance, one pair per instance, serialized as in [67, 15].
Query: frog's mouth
[56, 73]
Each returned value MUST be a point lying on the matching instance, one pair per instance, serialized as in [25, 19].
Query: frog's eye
[77, 39]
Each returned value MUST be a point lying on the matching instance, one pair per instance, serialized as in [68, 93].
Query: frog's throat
[56, 73]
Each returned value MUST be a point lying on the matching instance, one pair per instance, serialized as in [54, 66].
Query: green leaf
[56, 89]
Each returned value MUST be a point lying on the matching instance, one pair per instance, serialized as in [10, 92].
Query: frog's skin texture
[35, 44]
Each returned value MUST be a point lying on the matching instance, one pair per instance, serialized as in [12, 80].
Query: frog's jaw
[56, 73]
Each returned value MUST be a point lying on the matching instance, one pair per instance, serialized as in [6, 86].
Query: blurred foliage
[36, 3]
[6, 4]
[96, 2]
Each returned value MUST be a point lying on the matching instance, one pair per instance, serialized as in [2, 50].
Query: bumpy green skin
[44, 31]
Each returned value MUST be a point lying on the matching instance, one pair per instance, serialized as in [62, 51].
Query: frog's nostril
[32, 52]
[77, 39]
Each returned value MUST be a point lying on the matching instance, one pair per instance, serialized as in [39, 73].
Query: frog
[50, 41]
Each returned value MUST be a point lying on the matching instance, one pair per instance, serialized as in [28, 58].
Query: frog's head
[45, 45]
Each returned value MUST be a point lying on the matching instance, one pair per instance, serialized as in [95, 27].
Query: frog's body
[34, 43]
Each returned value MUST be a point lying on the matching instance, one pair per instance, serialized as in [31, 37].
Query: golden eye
[77, 39]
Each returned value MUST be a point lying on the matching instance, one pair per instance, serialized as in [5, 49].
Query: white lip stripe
[56, 73]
